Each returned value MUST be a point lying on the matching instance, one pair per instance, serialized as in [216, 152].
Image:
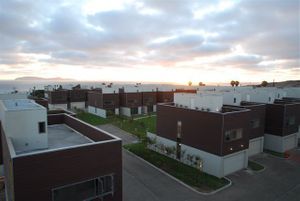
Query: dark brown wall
[95, 99]
[58, 97]
[8, 172]
[86, 129]
[202, 130]
[36, 175]
[113, 99]
[131, 99]
[257, 112]
[41, 101]
[193, 91]
[149, 98]
[276, 119]
[165, 96]
[78, 95]
[236, 120]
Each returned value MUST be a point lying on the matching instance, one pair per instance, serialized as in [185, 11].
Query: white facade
[77, 105]
[25, 122]
[292, 92]
[231, 98]
[97, 111]
[219, 166]
[209, 102]
[258, 96]
[58, 106]
[280, 144]
[126, 111]
[256, 146]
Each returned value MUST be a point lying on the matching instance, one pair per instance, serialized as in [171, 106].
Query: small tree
[237, 83]
[232, 83]
[201, 84]
[190, 83]
[264, 83]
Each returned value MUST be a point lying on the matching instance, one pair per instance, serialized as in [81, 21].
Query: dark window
[42, 127]
[269, 99]
[87, 190]
[149, 108]
[291, 121]
[109, 102]
[134, 110]
[234, 100]
[254, 123]
[179, 129]
[233, 134]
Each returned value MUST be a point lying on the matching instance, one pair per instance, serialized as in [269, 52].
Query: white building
[200, 101]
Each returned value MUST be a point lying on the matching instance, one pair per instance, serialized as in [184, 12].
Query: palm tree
[237, 83]
[264, 83]
[232, 83]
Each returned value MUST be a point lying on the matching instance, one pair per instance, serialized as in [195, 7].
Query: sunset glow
[151, 41]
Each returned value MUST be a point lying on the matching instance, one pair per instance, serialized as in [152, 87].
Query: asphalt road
[280, 181]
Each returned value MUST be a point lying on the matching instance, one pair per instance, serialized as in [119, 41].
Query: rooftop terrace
[21, 104]
[60, 136]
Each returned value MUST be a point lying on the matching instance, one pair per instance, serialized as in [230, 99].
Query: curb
[257, 171]
[177, 180]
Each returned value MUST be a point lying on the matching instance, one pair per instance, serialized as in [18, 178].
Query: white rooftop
[21, 104]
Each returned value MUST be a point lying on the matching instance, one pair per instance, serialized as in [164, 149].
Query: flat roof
[60, 136]
[21, 104]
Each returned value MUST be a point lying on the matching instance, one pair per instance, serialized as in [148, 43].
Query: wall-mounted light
[231, 148]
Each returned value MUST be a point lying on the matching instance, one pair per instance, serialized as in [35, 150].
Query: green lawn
[149, 123]
[189, 175]
[137, 127]
[274, 153]
[255, 166]
[92, 119]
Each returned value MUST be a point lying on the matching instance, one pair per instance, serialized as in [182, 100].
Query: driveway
[280, 181]
[126, 137]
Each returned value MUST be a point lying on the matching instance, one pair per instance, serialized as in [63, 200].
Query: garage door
[255, 146]
[234, 162]
[290, 142]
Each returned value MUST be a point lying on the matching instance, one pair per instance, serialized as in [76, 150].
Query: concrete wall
[211, 164]
[58, 106]
[280, 143]
[232, 98]
[125, 111]
[97, 111]
[199, 101]
[13, 96]
[77, 105]
[256, 146]
[22, 126]
[293, 92]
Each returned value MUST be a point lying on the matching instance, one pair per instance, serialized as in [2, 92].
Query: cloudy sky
[151, 40]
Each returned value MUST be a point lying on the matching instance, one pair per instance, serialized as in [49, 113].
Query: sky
[151, 40]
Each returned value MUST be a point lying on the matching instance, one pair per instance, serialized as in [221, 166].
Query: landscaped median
[255, 166]
[277, 154]
[193, 177]
[137, 127]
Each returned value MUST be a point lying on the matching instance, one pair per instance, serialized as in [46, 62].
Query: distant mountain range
[288, 83]
[32, 78]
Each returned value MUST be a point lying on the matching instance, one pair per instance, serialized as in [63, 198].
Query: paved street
[279, 182]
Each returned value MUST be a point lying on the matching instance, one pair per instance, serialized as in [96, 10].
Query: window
[179, 129]
[42, 127]
[233, 134]
[108, 102]
[254, 123]
[134, 110]
[86, 190]
[291, 121]
[269, 99]
[234, 100]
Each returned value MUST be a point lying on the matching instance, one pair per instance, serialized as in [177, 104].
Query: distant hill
[32, 78]
[288, 83]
